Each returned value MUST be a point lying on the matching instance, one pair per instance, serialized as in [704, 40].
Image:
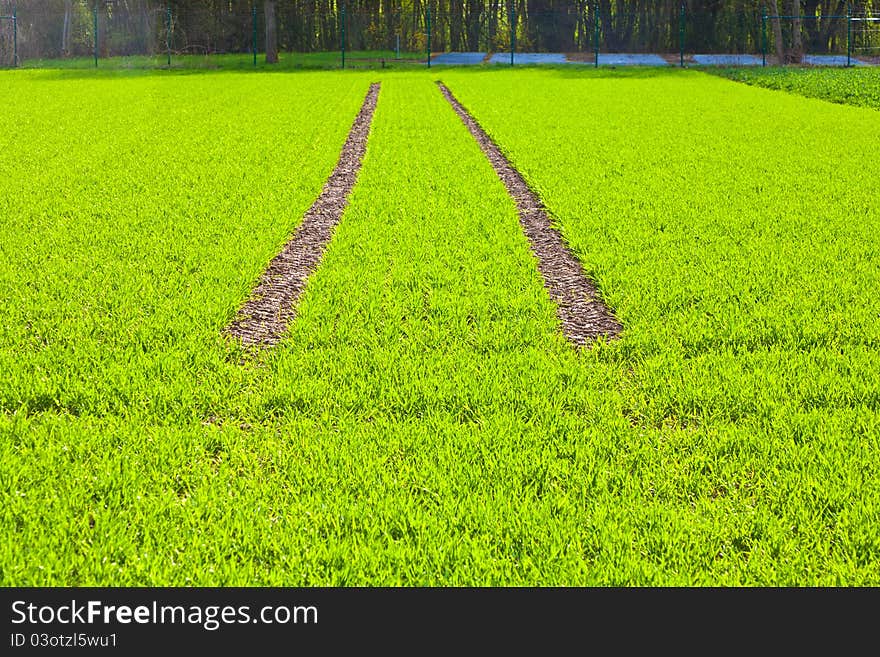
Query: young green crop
[135, 216]
[735, 232]
[855, 86]
[391, 439]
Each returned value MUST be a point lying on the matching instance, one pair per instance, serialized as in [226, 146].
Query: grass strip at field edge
[582, 313]
[264, 317]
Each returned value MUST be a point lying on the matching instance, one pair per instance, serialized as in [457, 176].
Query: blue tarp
[459, 58]
[529, 58]
[728, 60]
[830, 60]
[630, 59]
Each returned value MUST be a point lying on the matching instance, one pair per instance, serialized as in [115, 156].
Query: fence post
[428, 28]
[15, 36]
[342, 34]
[254, 36]
[763, 36]
[681, 35]
[848, 35]
[596, 34]
[512, 33]
[168, 32]
[95, 16]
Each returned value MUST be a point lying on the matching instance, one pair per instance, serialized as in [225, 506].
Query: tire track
[581, 311]
[265, 316]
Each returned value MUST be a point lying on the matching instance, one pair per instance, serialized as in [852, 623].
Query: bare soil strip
[581, 311]
[264, 318]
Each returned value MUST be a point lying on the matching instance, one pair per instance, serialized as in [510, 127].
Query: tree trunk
[390, 32]
[456, 19]
[65, 31]
[797, 48]
[493, 23]
[777, 33]
[271, 33]
[829, 25]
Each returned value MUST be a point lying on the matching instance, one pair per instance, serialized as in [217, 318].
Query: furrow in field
[264, 318]
[581, 311]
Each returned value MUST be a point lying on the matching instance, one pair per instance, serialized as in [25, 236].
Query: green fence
[794, 39]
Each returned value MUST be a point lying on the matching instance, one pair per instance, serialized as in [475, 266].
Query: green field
[858, 86]
[425, 422]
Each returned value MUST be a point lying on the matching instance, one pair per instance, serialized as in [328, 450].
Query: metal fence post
[596, 34]
[15, 37]
[95, 16]
[342, 35]
[848, 35]
[428, 28]
[168, 32]
[512, 33]
[254, 37]
[763, 36]
[681, 35]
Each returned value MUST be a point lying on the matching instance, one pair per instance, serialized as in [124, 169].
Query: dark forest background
[66, 28]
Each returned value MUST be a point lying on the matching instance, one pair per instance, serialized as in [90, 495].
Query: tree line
[66, 28]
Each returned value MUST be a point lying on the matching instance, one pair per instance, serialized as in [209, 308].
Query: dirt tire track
[581, 311]
[265, 316]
